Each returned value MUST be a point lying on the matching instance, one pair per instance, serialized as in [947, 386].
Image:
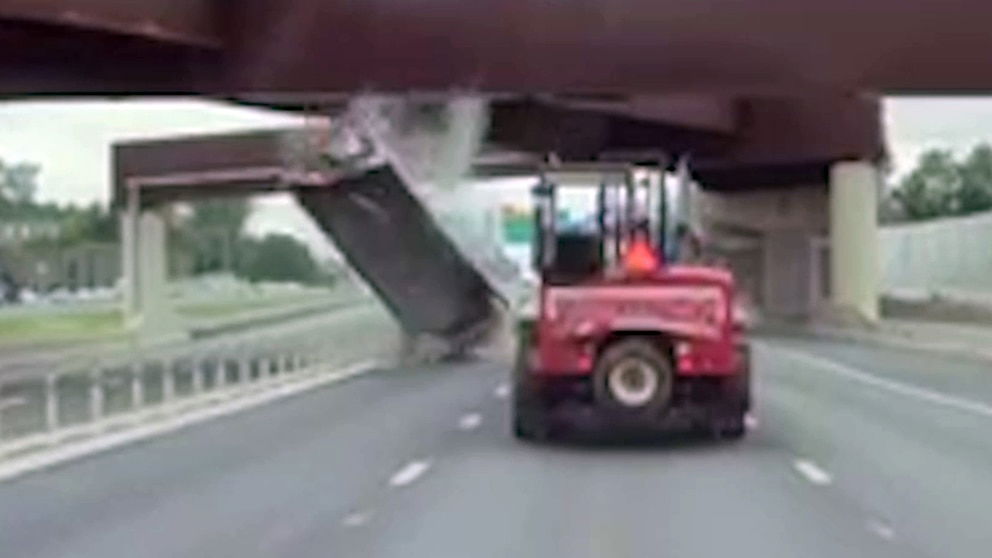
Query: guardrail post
[137, 388]
[199, 370]
[220, 375]
[274, 365]
[168, 383]
[96, 395]
[51, 403]
[244, 370]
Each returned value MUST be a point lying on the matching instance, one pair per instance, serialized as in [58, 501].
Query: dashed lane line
[812, 472]
[409, 473]
[469, 421]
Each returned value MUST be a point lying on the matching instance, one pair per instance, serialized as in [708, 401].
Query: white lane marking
[908, 390]
[471, 421]
[356, 519]
[409, 473]
[813, 473]
[17, 466]
[502, 391]
[882, 529]
[751, 421]
[11, 402]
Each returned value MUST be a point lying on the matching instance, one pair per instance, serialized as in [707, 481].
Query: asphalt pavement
[853, 451]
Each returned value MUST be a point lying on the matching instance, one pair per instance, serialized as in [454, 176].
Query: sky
[71, 141]
[915, 124]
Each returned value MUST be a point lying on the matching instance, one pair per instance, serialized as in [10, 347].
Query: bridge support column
[131, 308]
[148, 313]
[854, 252]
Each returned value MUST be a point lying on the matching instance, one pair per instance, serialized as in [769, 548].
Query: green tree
[93, 223]
[277, 257]
[18, 182]
[975, 190]
[212, 233]
[931, 189]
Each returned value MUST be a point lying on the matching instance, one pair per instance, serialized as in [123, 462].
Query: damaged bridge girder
[383, 230]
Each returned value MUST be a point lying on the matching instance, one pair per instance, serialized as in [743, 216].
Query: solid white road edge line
[17, 466]
[908, 390]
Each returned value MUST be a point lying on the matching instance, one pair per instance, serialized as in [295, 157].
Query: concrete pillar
[152, 263]
[148, 312]
[854, 253]
[129, 261]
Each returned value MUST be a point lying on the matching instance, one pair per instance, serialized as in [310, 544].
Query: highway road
[853, 451]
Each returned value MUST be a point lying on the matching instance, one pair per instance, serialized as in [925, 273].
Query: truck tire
[737, 402]
[633, 377]
[529, 421]
[741, 385]
[730, 427]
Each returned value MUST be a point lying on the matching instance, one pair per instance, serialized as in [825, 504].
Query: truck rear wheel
[632, 376]
[529, 422]
[730, 427]
[736, 402]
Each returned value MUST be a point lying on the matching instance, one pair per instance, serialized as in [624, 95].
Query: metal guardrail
[106, 394]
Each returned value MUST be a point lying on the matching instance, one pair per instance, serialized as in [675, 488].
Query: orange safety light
[640, 257]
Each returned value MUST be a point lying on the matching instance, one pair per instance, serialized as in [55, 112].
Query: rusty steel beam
[186, 22]
[114, 47]
[766, 131]
[704, 113]
[306, 50]
[815, 127]
[195, 155]
[40, 59]
[540, 46]
[573, 133]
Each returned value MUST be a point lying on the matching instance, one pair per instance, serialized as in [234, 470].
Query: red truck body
[617, 330]
[691, 305]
